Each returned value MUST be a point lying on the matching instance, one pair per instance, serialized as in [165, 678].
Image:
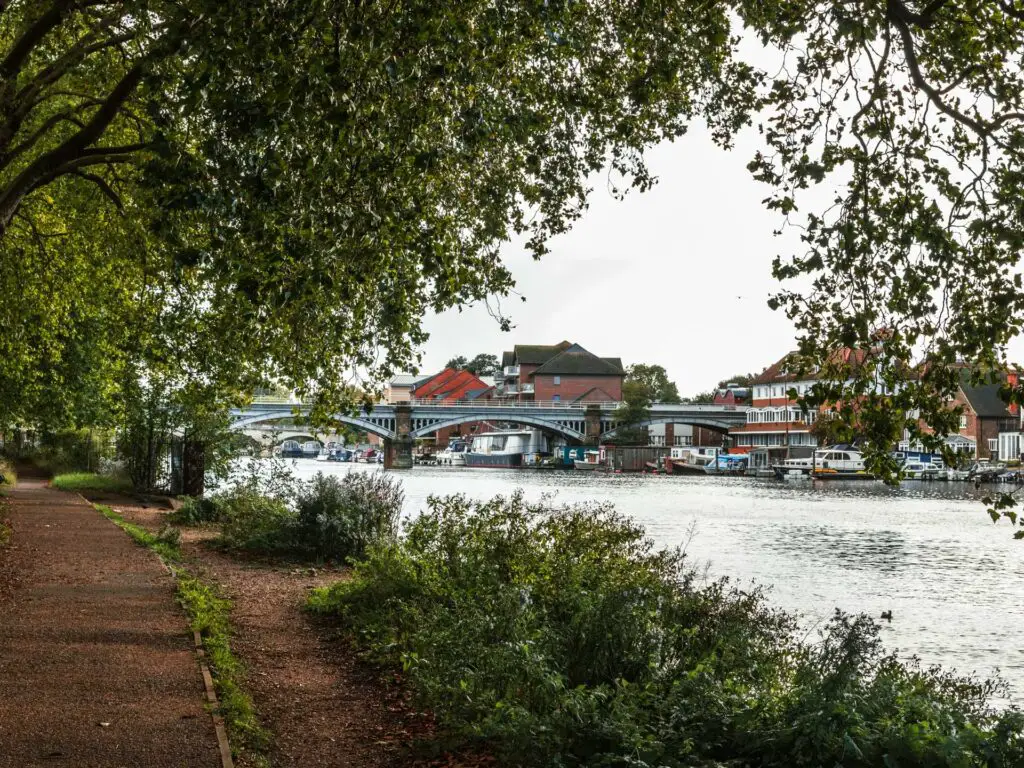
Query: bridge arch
[382, 427]
[563, 427]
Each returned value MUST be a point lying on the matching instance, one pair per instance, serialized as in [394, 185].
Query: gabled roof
[984, 398]
[449, 384]
[576, 361]
[784, 369]
[408, 379]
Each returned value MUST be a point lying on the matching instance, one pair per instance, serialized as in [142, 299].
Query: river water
[926, 551]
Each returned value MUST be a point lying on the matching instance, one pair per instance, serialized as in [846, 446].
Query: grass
[209, 614]
[5, 534]
[91, 481]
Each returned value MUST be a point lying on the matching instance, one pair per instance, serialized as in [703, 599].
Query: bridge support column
[401, 447]
[592, 436]
[670, 434]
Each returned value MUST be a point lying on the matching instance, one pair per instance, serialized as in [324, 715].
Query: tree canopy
[483, 364]
[650, 383]
[266, 191]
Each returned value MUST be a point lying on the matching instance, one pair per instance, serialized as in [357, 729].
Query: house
[732, 394]
[563, 372]
[399, 389]
[987, 423]
[451, 385]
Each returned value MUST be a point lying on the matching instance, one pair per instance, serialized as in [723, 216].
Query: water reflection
[925, 551]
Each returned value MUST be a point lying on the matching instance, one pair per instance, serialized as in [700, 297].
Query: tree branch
[105, 188]
[7, 157]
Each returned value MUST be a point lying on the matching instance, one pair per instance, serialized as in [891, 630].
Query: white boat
[793, 468]
[454, 455]
[922, 470]
[839, 463]
[511, 449]
[590, 462]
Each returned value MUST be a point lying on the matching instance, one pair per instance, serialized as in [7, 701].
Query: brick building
[985, 418]
[563, 372]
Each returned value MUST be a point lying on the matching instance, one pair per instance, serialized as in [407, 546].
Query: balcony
[511, 371]
[526, 389]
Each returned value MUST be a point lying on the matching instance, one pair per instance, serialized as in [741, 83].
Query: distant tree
[634, 409]
[702, 397]
[741, 379]
[654, 381]
[830, 429]
[483, 365]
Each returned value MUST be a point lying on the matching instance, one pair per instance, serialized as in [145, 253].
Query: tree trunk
[193, 467]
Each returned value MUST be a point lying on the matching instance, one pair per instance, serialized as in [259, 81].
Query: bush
[341, 518]
[197, 511]
[257, 523]
[7, 474]
[561, 637]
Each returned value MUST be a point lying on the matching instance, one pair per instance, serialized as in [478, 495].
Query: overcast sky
[678, 276]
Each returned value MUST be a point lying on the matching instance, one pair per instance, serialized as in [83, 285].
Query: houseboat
[454, 455]
[690, 460]
[508, 450]
[591, 460]
[839, 463]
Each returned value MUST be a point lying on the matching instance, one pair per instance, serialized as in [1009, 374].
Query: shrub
[197, 511]
[257, 523]
[7, 474]
[561, 637]
[341, 518]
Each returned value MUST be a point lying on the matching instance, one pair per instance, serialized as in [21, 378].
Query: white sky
[677, 276]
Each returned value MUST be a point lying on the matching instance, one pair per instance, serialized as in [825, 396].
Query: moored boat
[590, 462]
[839, 463]
[727, 464]
[689, 460]
[792, 468]
[509, 450]
[454, 455]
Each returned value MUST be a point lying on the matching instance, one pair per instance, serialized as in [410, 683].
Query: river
[926, 551]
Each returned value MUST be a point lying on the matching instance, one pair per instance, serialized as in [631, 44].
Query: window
[556, 398]
[963, 421]
[993, 444]
[558, 380]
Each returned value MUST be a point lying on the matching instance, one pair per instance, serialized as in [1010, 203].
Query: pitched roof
[536, 354]
[984, 398]
[449, 384]
[408, 380]
[575, 360]
[784, 369]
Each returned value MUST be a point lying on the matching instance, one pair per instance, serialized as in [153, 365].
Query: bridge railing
[505, 405]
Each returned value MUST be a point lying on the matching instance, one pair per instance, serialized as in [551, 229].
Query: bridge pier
[592, 435]
[400, 449]
[670, 434]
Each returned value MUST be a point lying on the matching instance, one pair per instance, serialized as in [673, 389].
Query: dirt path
[96, 663]
[321, 705]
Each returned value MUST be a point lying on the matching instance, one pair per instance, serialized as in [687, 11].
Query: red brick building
[451, 385]
[563, 372]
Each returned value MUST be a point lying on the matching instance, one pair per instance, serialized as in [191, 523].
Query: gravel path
[96, 663]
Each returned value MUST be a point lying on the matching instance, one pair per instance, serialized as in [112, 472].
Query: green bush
[341, 518]
[256, 523]
[561, 637]
[197, 511]
[7, 474]
[91, 481]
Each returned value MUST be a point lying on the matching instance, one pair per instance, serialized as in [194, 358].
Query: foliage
[634, 409]
[91, 481]
[7, 474]
[829, 429]
[197, 511]
[256, 522]
[702, 397]
[481, 365]
[68, 450]
[339, 518]
[561, 637]
[654, 382]
[740, 380]
[328, 518]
